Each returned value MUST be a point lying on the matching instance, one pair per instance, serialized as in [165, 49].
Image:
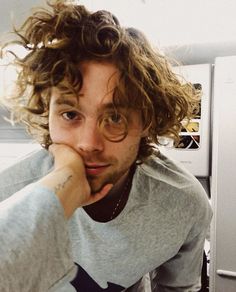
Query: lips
[95, 169]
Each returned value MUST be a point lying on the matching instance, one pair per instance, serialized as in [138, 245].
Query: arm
[32, 224]
[35, 249]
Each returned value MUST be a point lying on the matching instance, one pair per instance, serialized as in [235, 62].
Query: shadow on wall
[200, 53]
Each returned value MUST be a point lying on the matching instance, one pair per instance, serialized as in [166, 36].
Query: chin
[97, 183]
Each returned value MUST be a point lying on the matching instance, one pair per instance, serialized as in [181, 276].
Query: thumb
[58, 154]
[101, 194]
[53, 148]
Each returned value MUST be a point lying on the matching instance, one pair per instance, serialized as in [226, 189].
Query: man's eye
[71, 115]
[115, 118]
[114, 126]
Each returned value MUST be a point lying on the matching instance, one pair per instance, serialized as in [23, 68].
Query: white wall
[11, 152]
[166, 22]
[169, 22]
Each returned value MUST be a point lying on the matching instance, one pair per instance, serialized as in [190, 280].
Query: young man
[102, 208]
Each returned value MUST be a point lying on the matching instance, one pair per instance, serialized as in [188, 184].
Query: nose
[89, 138]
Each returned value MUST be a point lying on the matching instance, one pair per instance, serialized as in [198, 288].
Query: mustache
[98, 158]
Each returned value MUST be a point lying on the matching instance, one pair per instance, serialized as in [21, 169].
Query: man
[102, 199]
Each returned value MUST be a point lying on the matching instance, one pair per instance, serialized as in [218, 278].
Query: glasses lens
[114, 126]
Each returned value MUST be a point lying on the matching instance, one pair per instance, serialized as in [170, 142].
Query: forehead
[99, 80]
[99, 72]
[58, 100]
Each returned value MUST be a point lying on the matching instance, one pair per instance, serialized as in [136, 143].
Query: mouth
[95, 169]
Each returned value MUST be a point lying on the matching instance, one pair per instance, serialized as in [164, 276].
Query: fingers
[105, 190]
[59, 153]
[58, 148]
[65, 155]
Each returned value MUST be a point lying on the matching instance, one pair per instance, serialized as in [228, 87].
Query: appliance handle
[225, 273]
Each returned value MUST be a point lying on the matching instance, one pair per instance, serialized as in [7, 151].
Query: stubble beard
[112, 177]
[97, 183]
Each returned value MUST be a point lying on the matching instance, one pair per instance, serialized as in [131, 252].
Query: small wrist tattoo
[61, 186]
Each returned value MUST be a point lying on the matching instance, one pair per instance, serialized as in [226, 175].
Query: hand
[68, 180]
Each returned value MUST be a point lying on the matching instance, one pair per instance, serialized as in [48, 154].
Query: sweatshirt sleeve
[35, 251]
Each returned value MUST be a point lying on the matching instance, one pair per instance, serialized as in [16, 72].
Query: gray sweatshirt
[160, 231]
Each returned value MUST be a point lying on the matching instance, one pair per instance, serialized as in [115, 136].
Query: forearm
[32, 224]
[62, 182]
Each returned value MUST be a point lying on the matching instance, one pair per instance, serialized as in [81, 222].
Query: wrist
[61, 182]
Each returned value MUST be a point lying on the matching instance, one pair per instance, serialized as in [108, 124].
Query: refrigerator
[223, 180]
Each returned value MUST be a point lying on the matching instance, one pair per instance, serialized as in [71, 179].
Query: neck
[117, 189]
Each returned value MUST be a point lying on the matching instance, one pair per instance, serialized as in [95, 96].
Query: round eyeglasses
[114, 126]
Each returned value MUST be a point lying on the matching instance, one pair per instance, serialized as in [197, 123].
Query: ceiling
[166, 22]
[192, 31]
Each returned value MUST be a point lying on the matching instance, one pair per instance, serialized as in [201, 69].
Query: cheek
[126, 150]
[57, 134]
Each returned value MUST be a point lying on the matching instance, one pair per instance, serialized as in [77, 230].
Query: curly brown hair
[63, 35]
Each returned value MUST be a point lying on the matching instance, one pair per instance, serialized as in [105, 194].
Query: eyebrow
[73, 102]
[108, 105]
[62, 100]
